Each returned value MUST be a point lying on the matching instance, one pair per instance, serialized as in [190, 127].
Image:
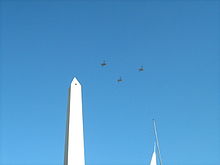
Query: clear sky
[44, 44]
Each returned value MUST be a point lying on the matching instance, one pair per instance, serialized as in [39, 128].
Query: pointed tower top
[75, 82]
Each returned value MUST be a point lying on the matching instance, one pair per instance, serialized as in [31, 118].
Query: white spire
[74, 148]
[154, 157]
[75, 81]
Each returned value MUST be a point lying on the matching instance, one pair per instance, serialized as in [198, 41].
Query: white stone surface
[154, 157]
[74, 148]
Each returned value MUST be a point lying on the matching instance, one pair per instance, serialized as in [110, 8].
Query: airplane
[141, 69]
[103, 64]
[119, 80]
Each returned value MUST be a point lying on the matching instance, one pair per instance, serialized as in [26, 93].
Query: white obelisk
[154, 157]
[74, 147]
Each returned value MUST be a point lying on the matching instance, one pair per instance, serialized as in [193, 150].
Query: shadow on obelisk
[67, 131]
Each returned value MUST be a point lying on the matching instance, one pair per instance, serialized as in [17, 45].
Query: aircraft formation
[140, 69]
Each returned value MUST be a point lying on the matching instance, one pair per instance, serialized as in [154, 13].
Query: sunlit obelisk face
[74, 148]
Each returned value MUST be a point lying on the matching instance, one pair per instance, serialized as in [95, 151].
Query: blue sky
[44, 44]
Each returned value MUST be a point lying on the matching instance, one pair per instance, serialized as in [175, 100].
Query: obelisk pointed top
[75, 82]
[74, 146]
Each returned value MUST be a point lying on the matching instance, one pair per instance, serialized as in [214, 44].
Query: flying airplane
[119, 80]
[103, 63]
[141, 69]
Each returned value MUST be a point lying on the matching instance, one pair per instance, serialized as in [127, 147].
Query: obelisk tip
[75, 82]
